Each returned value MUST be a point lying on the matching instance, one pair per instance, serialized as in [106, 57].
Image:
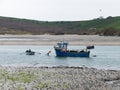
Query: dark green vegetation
[105, 26]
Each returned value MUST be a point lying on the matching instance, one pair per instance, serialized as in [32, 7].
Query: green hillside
[107, 26]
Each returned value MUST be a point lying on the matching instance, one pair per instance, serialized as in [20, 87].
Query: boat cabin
[62, 45]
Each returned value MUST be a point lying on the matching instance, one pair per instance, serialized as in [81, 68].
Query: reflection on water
[105, 57]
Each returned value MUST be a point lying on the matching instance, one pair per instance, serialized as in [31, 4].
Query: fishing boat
[29, 52]
[62, 51]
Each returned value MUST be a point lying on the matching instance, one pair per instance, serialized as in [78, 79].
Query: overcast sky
[59, 10]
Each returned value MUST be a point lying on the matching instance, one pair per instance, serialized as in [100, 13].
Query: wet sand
[58, 78]
[53, 39]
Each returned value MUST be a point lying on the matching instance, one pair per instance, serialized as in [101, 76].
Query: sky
[59, 10]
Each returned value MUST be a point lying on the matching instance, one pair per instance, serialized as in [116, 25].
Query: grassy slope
[21, 26]
[99, 24]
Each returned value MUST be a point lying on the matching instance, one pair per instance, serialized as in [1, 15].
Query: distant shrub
[109, 17]
[59, 33]
[109, 32]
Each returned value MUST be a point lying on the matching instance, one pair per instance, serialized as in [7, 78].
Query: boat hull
[30, 53]
[61, 53]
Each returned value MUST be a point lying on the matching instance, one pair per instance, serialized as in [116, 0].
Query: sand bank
[53, 39]
[58, 78]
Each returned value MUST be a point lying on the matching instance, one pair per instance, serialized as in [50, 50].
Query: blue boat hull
[61, 53]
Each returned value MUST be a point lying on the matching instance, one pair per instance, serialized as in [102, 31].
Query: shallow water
[107, 57]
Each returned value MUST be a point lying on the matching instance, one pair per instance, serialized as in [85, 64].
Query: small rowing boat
[29, 52]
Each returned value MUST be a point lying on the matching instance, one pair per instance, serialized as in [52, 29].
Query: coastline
[61, 77]
[58, 78]
[53, 39]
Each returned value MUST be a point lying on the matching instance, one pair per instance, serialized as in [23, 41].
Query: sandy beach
[58, 78]
[53, 39]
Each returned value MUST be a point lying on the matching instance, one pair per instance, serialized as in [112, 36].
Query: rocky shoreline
[58, 78]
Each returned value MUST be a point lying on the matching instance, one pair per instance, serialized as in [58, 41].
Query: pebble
[58, 78]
